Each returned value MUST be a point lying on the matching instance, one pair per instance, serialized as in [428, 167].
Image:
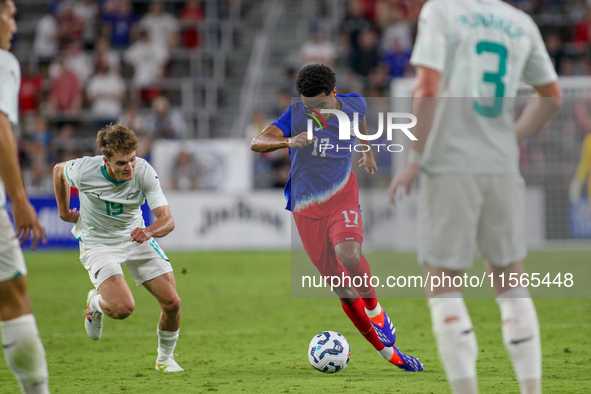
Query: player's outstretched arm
[272, 139]
[163, 225]
[62, 195]
[25, 217]
[538, 110]
[424, 103]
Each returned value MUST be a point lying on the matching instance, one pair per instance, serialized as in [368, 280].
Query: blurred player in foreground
[111, 231]
[23, 349]
[474, 54]
[323, 194]
[583, 174]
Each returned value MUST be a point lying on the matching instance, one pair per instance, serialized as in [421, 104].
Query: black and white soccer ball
[329, 352]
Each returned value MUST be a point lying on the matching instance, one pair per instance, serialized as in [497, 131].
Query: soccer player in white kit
[22, 346]
[472, 195]
[111, 231]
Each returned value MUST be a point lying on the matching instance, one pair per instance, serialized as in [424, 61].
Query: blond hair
[116, 138]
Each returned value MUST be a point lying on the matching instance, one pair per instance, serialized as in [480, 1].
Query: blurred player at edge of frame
[582, 175]
[22, 345]
[111, 231]
[323, 194]
[474, 54]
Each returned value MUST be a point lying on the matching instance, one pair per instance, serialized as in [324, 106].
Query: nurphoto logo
[349, 128]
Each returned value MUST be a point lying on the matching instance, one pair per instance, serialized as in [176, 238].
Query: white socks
[95, 303]
[521, 335]
[166, 343]
[456, 341]
[25, 354]
[374, 312]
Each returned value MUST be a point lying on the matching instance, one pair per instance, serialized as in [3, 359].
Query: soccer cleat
[384, 328]
[94, 319]
[405, 361]
[168, 365]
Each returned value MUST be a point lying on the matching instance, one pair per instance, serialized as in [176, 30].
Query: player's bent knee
[349, 257]
[123, 310]
[172, 307]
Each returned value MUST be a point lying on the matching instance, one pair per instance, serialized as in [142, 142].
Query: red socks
[356, 314]
[368, 293]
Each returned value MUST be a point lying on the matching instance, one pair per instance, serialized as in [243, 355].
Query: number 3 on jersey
[495, 78]
[113, 209]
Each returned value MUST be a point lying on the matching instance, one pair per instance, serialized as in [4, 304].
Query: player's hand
[141, 235]
[301, 140]
[26, 222]
[369, 162]
[402, 182]
[71, 217]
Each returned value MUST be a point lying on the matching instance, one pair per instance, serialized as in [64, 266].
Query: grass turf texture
[242, 332]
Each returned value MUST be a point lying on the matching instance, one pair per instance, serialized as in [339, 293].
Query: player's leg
[23, 350]
[520, 328]
[346, 235]
[114, 297]
[163, 288]
[448, 212]
[501, 240]
[357, 267]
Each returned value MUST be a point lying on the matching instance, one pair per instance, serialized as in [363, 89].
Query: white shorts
[12, 261]
[144, 261]
[461, 213]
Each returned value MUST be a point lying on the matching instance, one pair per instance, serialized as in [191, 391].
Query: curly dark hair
[116, 138]
[315, 79]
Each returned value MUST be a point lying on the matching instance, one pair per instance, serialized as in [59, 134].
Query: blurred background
[197, 79]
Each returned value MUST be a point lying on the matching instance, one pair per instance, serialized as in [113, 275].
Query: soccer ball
[329, 352]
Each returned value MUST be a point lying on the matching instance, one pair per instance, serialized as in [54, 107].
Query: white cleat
[168, 365]
[94, 319]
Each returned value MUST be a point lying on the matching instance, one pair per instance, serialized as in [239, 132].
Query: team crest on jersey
[132, 195]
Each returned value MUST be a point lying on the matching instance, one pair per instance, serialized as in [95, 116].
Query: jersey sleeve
[430, 48]
[73, 171]
[9, 86]
[284, 123]
[538, 70]
[152, 188]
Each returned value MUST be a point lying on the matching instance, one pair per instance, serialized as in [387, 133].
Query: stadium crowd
[95, 62]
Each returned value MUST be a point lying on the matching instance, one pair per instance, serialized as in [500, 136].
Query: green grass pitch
[242, 332]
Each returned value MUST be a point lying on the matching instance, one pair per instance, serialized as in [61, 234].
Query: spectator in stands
[105, 92]
[289, 82]
[258, 123]
[162, 27]
[367, 56]
[282, 103]
[354, 23]
[118, 24]
[556, 51]
[45, 45]
[40, 132]
[280, 167]
[78, 61]
[164, 122]
[31, 90]
[379, 79]
[317, 49]
[65, 93]
[132, 119]
[185, 172]
[191, 17]
[88, 12]
[397, 59]
[581, 35]
[104, 53]
[148, 62]
[70, 26]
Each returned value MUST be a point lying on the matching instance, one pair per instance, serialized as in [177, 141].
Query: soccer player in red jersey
[323, 194]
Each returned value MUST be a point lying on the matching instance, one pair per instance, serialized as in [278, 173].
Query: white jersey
[10, 84]
[110, 210]
[483, 49]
